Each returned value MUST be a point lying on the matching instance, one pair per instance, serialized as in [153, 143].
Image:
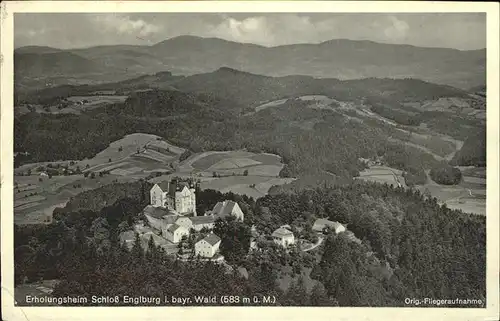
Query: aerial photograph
[250, 159]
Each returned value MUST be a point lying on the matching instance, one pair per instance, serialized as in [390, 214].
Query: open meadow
[36, 197]
[468, 196]
[383, 174]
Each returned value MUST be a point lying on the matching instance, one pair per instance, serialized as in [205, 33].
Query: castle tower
[192, 188]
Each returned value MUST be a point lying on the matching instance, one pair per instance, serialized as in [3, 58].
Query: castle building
[174, 195]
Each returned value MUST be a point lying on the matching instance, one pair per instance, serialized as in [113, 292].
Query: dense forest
[311, 141]
[446, 174]
[410, 247]
[473, 153]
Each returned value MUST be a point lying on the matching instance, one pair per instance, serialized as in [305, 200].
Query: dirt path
[320, 241]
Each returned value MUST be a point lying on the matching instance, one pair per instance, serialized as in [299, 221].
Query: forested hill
[204, 112]
[311, 141]
[250, 90]
[410, 247]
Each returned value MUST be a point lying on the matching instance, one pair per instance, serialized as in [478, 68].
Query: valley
[289, 124]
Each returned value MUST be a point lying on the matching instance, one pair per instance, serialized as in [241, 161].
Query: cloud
[246, 30]
[397, 29]
[453, 30]
[34, 32]
[126, 25]
[264, 30]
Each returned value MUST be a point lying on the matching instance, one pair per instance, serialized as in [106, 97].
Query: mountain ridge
[188, 55]
[193, 37]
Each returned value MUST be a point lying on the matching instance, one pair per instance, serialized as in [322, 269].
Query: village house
[196, 222]
[127, 239]
[174, 195]
[208, 246]
[283, 237]
[174, 233]
[200, 222]
[228, 208]
[253, 239]
[321, 224]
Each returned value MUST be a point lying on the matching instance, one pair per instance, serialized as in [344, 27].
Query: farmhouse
[174, 233]
[321, 224]
[228, 208]
[283, 237]
[174, 195]
[208, 246]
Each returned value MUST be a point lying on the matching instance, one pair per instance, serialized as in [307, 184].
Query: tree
[185, 155]
[152, 250]
[120, 149]
[86, 174]
[319, 297]
[109, 160]
[137, 251]
[92, 175]
[296, 294]
[446, 174]
[235, 237]
[245, 173]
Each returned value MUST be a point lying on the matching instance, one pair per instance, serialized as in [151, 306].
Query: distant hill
[250, 89]
[187, 55]
[52, 63]
[35, 50]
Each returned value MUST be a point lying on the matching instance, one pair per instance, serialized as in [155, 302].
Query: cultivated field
[35, 200]
[37, 196]
[74, 105]
[263, 170]
[383, 174]
[317, 101]
[134, 153]
[97, 100]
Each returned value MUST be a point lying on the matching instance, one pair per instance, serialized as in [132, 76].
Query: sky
[464, 31]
